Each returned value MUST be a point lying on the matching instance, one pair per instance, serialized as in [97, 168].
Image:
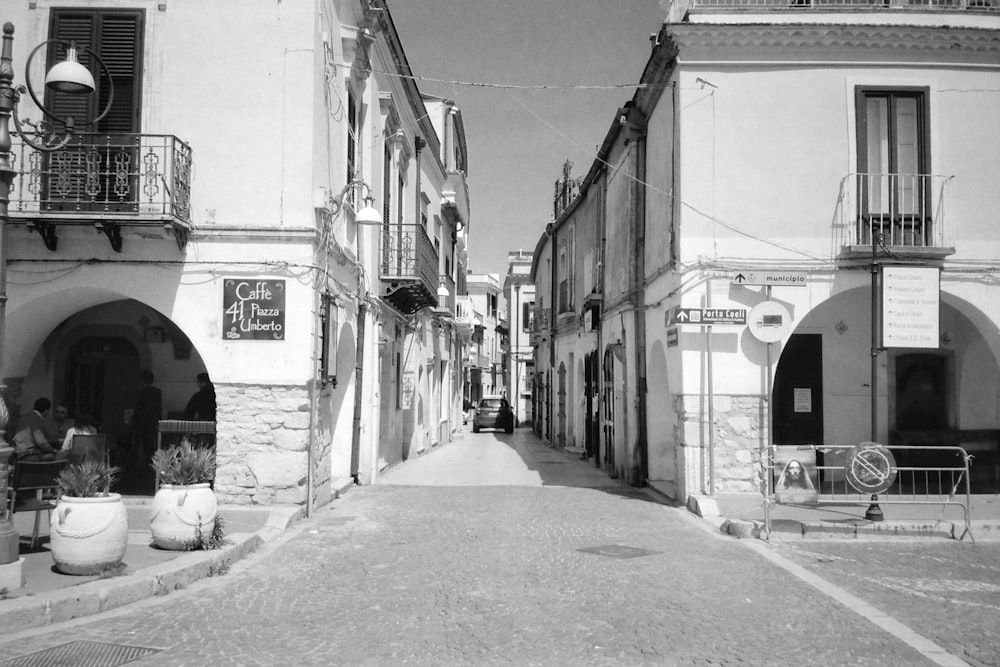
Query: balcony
[907, 210]
[751, 6]
[409, 268]
[110, 181]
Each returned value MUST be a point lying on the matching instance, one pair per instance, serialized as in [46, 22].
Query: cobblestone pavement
[945, 590]
[525, 572]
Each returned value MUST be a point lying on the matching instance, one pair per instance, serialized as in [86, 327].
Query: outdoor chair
[33, 488]
[88, 448]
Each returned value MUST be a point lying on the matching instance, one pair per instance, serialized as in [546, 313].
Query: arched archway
[91, 361]
[944, 395]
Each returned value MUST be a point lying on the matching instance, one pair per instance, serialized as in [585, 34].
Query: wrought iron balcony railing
[409, 267]
[908, 210]
[847, 5]
[105, 179]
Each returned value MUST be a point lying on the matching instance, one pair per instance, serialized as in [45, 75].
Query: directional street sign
[707, 316]
[791, 278]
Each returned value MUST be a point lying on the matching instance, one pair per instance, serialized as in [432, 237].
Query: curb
[790, 529]
[94, 597]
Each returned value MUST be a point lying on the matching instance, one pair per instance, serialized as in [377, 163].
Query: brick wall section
[262, 442]
[739, 426]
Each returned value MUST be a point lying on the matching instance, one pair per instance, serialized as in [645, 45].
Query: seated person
[57, 423]
[31, 442]
[84, 426]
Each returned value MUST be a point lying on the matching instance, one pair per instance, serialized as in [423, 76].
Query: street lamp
[874, 512]
[70, 77]
[367, 214]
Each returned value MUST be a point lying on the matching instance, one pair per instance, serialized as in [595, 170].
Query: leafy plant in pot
[184, 509]
[89, 527]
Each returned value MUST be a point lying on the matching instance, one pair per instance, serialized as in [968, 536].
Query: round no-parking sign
[870, 468]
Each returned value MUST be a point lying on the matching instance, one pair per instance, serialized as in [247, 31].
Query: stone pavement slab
[496, 574]
[521, 566]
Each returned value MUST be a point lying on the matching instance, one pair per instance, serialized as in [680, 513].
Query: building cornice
[826, 43]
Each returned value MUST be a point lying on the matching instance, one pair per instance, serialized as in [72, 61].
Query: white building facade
[771, 145]
[519, 294]
[224, 187]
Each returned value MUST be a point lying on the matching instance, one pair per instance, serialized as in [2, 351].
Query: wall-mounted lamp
[367, 214]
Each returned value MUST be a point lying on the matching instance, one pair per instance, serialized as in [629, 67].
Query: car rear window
[492, 403]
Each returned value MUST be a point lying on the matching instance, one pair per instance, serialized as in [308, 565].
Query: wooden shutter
[116, 35]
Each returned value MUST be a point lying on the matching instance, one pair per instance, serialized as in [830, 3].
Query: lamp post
[70, 77]
[874, 512]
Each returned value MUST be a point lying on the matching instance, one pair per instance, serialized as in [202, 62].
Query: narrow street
[496, 549]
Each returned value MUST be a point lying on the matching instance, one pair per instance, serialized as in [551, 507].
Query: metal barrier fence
[923, 475]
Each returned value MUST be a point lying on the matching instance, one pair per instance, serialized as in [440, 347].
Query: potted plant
[89, 528]
[184, 508]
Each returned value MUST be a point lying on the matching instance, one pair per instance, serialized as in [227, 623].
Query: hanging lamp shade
[69, 76]
[368, 215]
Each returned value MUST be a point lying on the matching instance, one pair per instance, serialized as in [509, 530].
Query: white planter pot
[179, 514]
[88, 535]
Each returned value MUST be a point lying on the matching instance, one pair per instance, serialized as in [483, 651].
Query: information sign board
[911, 298]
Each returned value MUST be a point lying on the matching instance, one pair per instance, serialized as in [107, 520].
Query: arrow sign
[707, 316]
[792, 278]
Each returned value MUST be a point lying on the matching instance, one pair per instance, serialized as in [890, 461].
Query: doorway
[608, 404]
[798, 392]
[921, 392]
[102, 379]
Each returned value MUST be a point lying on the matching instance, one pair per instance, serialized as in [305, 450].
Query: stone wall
[262, 444]
[739, 427]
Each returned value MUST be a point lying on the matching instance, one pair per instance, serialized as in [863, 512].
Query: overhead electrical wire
[507, 86]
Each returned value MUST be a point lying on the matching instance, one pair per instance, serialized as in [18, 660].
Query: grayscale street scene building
[652, 332]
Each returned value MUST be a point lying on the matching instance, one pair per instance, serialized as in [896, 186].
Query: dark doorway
[102, 380]
[921, 392]
[609, 412]
[591, 365]
[798, 392]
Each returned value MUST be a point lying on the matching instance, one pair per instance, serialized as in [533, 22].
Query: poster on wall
[795, 475]
[253, 309]
[408, 388]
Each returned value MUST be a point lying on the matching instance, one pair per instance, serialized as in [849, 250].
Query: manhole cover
[81, 654]
[618, 551]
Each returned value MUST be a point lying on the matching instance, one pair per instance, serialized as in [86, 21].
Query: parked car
[493, 412]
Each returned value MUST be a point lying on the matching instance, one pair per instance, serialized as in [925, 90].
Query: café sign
[253, 309]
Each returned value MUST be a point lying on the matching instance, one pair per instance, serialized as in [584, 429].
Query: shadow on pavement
[561, 467]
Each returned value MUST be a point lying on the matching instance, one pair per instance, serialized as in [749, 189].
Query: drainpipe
[711, 396]
[514, 391]
[314, 397]
[359, 367]
[418, 146]
[641, 462]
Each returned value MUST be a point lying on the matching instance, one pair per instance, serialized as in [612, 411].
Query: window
[387, 184]
[116, 36]
[99, 168]
[564, 266]
[352, 136]
[894, 184]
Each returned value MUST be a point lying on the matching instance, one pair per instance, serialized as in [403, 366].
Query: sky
[518, 139]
